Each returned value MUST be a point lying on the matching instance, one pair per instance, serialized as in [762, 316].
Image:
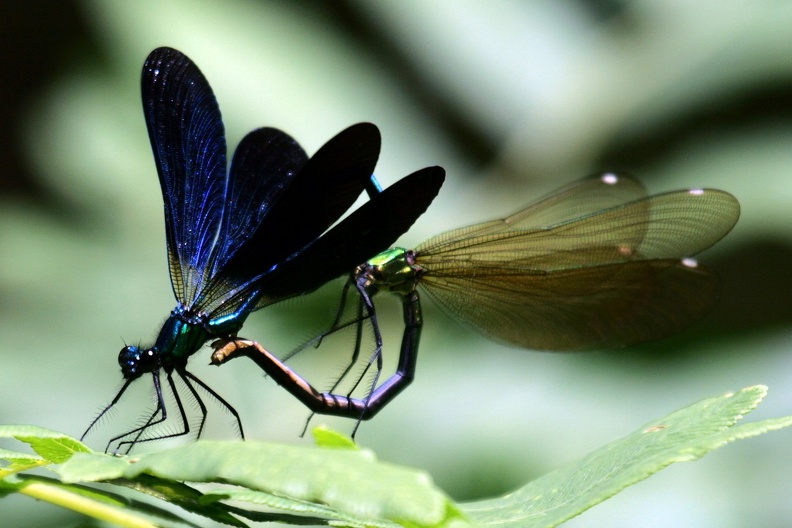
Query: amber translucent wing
[609, 278]
[570, 202]
[587, 308]
[671, 225]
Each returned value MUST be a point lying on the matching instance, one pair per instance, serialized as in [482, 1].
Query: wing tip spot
[625, 251]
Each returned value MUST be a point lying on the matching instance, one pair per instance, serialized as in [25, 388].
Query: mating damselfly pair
[598, 263]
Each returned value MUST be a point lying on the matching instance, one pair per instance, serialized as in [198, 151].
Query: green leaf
[51, 445]
[277, 502]
[685, 435]
[352, 482]
[349, 487]
[102, 496]
[326, 437]
[93, 467]
[96, 504]
[18, 461]
[184, 496]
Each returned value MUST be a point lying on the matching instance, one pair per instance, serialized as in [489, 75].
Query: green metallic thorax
[392, 270]
[179, 339]
[183, 334]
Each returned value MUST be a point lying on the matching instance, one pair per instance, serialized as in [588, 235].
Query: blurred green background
[513, 99]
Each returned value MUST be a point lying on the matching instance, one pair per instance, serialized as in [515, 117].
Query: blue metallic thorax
[183, 333]
[181, 336]
[229, 324]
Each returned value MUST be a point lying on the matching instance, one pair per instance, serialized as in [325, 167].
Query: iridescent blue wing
[188, 141]
[326, 186]
[264, 165]
[369, 230]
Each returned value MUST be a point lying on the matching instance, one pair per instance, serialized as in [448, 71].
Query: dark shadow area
[753, 107]
[755, 299]
[39, 40]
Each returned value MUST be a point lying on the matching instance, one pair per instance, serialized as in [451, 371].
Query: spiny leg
[314, 341]
[364, 305]
[372, 387]
[334, 325]
[159, 409]
[363, 301]
[185, 374]
[185, 424]
[408, 359]
[121, 392]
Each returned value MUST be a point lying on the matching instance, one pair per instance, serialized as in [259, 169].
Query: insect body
[595, 264]
[241, 239]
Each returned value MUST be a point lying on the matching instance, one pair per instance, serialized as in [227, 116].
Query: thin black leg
[317, 341]
[408, 357]
[121, 392]
[186, 377]
[159, 409]
[161, 403]
[365, 310]
[364, 305]
[216, 396]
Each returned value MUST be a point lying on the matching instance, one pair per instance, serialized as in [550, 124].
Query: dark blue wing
[188, 141]
[326, 186]
[325, 189]
[264, 165]
[371, 229]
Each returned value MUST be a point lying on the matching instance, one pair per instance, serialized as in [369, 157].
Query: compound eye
[134, 361]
